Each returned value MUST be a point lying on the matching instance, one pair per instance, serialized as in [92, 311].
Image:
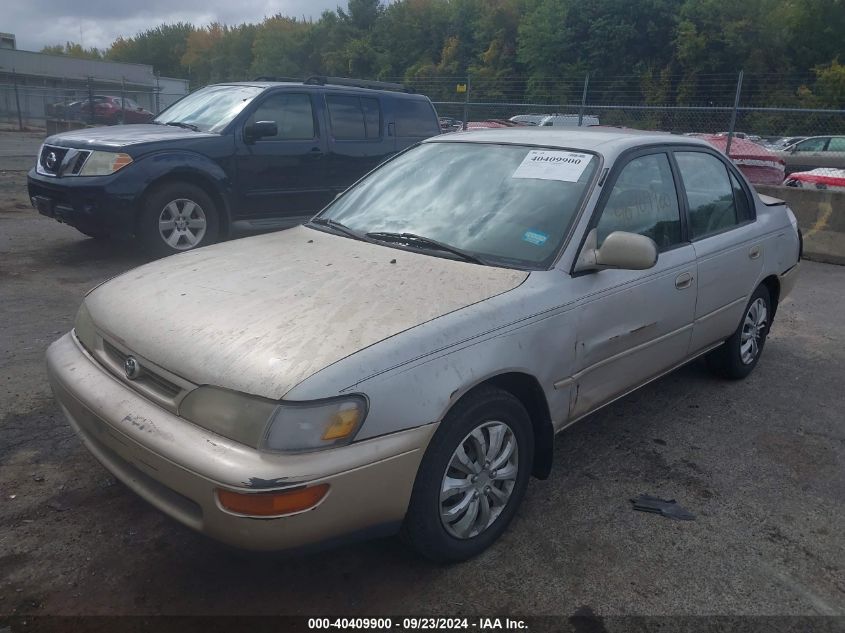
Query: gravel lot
[761, 463]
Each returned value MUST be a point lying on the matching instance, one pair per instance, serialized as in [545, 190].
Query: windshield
[509, 205]
[209, 109]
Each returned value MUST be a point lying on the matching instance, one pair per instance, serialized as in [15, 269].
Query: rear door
[358, 137]
[721, 221]
[807, 155]
[635, 324]
[835, 154]
[282, 176]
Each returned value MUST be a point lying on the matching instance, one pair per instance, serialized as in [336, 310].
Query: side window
[347, 117]
[643, 200]
[743, 207]
[415, 117]
[811, 145]
[292, 113]
[837, 144]
[709, 192]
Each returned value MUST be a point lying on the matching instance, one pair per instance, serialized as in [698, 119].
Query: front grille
[61, 161]
[51, 159]
[146, 378]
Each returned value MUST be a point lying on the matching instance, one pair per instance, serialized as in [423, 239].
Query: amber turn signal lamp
[266, 504]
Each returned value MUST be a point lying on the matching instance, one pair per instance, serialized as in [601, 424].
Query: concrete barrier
[821, 216]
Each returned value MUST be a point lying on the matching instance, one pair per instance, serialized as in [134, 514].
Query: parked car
[783, 142]
[228, 159]
[759, 165]
[114, 110]
[569, 120]
[816, 151]
[493, 124]
[529, 119]
[108, 110]
[821, 178]
[404, 360]
[448, 124]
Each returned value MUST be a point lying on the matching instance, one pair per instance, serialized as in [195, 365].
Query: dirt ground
[760, 462]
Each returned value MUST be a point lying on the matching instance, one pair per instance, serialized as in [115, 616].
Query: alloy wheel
[479, 480]
[753, 331]
[182, 224]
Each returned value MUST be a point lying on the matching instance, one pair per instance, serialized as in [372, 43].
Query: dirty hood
[261, 314]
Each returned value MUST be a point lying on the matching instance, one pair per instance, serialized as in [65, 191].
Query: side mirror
[260, 129]
[628, 251]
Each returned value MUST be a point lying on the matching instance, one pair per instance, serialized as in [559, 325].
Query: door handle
[315, 152]
[754, 251]
[684, 280]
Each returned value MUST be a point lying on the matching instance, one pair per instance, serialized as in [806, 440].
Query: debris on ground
[665, 507]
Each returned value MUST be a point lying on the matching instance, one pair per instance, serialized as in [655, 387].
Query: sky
[38, 23]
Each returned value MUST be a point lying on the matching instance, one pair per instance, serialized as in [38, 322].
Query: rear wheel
[739, 355]
[472, 478]
[178, 217]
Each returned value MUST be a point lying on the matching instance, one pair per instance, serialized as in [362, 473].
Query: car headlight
[288, 427]
[83, 326]
[104, 163]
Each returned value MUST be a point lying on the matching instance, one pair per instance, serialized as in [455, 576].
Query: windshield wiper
[340, 227]
[182, 124]
[411, 239]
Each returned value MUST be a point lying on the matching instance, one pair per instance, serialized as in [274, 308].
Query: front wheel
[738, 356]
[178, 217]
[472, 478]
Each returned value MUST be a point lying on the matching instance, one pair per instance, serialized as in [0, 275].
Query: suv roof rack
[274, 78]
[322, 80]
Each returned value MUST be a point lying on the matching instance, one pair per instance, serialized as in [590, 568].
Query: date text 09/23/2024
[418, 623]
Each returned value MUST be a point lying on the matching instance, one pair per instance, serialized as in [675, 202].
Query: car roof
[266, 85]
[607, 141]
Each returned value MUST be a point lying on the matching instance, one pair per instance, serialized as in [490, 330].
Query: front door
[636, 324]
[726, 241]
[282, 176]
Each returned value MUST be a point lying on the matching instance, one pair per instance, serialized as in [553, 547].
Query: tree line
[673, 52]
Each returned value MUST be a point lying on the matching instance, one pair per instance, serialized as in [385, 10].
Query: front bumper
[94, 203]
[177, 466]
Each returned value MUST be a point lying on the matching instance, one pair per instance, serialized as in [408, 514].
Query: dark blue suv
[227, 160]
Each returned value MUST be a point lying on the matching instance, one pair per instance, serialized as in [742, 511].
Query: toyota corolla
[403, 361]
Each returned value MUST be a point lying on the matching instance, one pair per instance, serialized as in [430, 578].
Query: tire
[492, 413]
[97, 234]
[736, 358]
[193, 217]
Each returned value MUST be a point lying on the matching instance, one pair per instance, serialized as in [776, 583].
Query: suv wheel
[178, 217]
[472, 478]
[738, 356]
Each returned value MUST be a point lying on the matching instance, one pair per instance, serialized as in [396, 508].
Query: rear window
[415, 117]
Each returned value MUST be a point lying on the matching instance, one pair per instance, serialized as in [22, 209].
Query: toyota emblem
[50, 160]
[131, 367]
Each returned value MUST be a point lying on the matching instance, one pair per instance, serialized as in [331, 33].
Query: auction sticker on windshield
[551, 165]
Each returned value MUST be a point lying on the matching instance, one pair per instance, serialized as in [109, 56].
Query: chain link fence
[775, 112]
[56, 108]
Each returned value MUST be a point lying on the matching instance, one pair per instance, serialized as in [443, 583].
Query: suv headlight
[287, 427]
[104, 163]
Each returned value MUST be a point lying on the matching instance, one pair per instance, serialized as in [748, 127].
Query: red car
[109, 111]
[756, 163]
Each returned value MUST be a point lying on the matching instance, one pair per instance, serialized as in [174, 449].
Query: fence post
[733, 114]
[158, 94]
[17, 99]
[583, 100]
[122, 100]
[90, 101]
[466, 105]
